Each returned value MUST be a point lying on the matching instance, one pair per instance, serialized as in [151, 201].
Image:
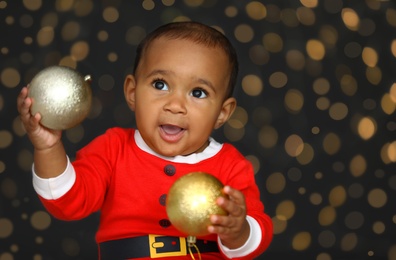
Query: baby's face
[180, 88]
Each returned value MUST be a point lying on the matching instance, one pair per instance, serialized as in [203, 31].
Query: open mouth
[171, 133]
[171, 129]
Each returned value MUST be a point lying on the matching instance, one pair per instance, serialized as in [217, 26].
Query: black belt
[153, 246]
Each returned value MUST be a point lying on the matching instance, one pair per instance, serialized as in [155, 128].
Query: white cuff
[251, 244]
[54, 188]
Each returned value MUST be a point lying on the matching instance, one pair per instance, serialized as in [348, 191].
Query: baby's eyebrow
[206, 82]
[159, 72]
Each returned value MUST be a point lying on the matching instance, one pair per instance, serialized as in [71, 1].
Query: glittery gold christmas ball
[191, 201]
[61, 95]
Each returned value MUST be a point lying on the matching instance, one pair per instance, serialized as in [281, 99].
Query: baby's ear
[226, 112]
[130, 90]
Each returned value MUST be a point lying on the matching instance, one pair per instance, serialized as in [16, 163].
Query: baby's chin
[175, 152]
[176, 149]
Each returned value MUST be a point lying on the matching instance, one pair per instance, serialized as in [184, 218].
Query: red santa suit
[118, 174]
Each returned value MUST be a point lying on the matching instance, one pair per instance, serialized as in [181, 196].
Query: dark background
[311, 84]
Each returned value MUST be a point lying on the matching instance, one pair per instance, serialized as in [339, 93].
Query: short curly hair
[198, 33]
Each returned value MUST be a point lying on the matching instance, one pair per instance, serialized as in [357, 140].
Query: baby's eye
[199, 93]
[160, 85]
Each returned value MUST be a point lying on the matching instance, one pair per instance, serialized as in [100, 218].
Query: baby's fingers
[235, 205]
[235, 195]
[24, 102]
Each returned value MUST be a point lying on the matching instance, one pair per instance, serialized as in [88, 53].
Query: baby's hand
[42, 138]
[233, 229]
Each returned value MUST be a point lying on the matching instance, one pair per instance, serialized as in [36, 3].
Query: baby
[180, 91]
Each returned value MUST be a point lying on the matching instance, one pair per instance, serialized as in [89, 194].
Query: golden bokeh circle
[377, 198]
[327, 239]
[6, 139]
[337, 196]
[316, 198]
[110, 14]
[268, 136]
[32, 5]
[285, 210]
[379, 227]
[280, 224]
[338, 111]
[349, 242]
[307, 154]
[7, 228]
[331, 143]
[10, 77]
[273, 42]
[275, 183]
[256, 10]
[278, 79]
[45, 36]
[354, 220]
[252, 85]
[40, 220]
[294, 145]
[358, 165]
[321, 86]
[324, 256]
[244, 33]
[315, 49]
[301, 241]
[327, 216]
[294, 100]
[79, 50]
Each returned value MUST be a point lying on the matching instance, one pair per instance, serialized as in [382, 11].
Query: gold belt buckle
[155, 244]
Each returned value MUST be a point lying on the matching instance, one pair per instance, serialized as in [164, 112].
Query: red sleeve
[94, 167]
[242, 178]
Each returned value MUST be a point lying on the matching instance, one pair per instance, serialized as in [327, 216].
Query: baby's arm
[49, 154]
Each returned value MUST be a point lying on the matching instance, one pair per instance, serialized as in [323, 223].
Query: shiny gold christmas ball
[192, 200]
[61, 95]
